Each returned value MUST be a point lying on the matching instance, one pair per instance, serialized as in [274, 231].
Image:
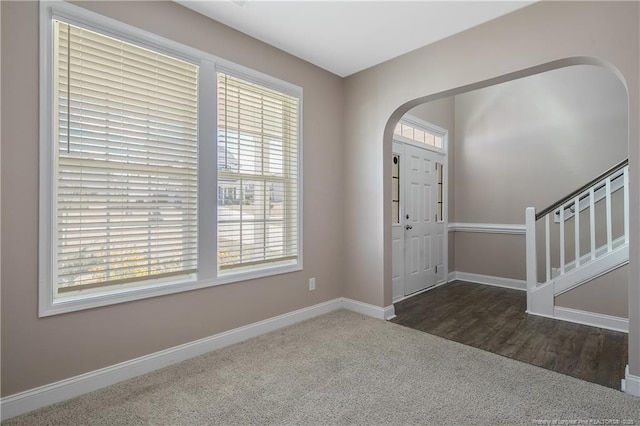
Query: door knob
[408, 227]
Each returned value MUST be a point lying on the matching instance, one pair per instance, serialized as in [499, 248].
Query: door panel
[414, 255]
[413, 203]
[427, 191]
[426, 258]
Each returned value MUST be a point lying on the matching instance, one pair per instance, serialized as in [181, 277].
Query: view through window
[125, 162]
[257, 175]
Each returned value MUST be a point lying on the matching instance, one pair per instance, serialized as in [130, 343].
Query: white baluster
[607, 185]
[547, 244]
[625, 210]
[592, 223]
[530, 245]
[562, 240]
[576, 222]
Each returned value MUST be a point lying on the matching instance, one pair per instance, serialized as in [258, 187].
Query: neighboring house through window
[257, 176]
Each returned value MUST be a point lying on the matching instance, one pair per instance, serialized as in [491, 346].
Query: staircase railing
[571, 206]
[583, 188]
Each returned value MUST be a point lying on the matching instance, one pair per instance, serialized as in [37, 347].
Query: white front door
[424, 230]
[419, 207]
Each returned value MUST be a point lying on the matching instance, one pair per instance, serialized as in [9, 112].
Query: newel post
[532, 264]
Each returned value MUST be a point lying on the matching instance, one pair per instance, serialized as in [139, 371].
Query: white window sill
[82, 301]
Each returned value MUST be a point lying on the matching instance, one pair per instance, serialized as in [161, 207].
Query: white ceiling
[345, 37]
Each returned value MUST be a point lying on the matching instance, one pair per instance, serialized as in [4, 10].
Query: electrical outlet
[312, 284]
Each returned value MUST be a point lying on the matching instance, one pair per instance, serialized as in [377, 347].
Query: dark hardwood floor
[494, 319]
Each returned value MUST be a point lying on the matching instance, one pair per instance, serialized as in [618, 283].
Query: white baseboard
[488, 280]
[630, 383]
[389, 312]
[62, 390]
[369, 310]
[591, 318]
[433, 287]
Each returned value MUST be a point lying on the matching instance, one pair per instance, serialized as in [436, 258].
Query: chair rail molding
[488, 228]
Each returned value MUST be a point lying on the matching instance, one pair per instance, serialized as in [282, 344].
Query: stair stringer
[591, 270]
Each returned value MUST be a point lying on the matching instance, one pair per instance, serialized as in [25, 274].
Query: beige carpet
[345, 368]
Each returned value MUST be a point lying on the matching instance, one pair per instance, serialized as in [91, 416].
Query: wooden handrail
[584, 187]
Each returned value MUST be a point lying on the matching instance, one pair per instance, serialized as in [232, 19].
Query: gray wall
[605, 295]
[40, 351]
[531, 141]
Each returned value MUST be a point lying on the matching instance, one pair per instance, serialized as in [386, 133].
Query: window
[257, 175]
[125, 162]
[130, 137]
[415, 133]
[395, 189]
[440, 201]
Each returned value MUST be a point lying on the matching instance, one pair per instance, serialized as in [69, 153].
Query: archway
[404, 108]
[555, 68]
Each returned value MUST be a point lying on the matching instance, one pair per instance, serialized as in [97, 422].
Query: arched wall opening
[527, 142]
[506, 48]
[586, 164]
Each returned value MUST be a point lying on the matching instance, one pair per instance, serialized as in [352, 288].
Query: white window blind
[125, 162]
[257, 176]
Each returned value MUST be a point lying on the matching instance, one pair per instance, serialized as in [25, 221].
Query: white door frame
[398, 233]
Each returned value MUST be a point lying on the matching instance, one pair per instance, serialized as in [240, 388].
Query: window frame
[426, 127]
[209, 65]
[267, 269]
